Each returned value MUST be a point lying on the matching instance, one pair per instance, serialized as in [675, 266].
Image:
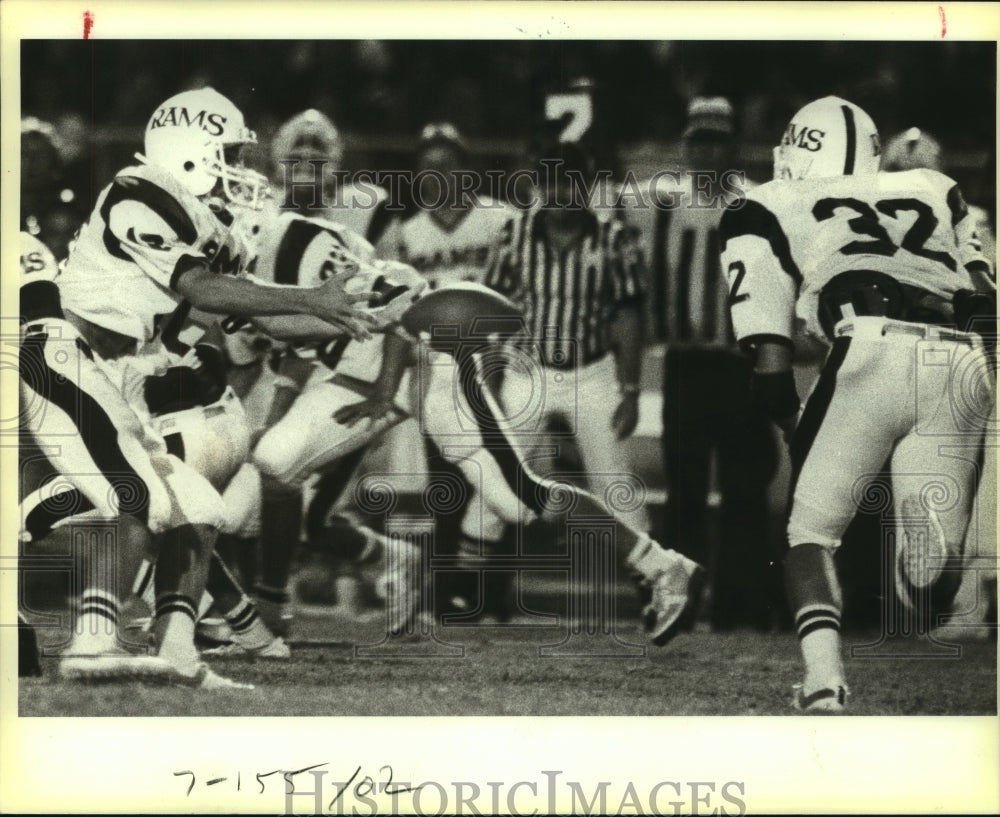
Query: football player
[428, 365]
[885, 267]
[307, 155]
[158, 242]
[452, 234]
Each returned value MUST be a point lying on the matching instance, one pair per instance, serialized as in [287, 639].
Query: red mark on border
[944, 21]
[88, 23]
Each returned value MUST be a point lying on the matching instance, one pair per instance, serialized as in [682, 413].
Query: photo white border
[787, 764]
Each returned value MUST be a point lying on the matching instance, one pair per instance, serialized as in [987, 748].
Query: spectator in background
[307, 155]
[48, 207]
[451, 234]
[708, 415]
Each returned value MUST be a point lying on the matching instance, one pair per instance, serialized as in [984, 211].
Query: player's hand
[372, 408]
[336, 306]
[626, 416]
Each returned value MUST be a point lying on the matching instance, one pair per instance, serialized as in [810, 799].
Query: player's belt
[871, 294]
[876, 327]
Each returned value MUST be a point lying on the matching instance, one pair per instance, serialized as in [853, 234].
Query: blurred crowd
[380, 93]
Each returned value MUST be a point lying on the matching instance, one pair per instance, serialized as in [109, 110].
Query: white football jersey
[145, 229]
[462, 253]
[790, 238]
[304, 251]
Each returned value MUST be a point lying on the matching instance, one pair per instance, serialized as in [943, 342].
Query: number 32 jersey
[790, 238]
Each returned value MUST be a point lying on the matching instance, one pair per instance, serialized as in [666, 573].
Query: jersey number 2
[866, 223]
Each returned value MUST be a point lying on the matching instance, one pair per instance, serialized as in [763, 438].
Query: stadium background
[380, 93]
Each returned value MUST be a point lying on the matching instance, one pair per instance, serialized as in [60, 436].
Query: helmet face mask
[828, 138]
[190, 136]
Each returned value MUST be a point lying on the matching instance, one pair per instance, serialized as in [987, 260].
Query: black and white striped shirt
[688, 303]
[569, 297]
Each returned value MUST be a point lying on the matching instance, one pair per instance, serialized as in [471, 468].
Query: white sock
[248, 629]
[821, 653]
[174, 627]
[97, 625]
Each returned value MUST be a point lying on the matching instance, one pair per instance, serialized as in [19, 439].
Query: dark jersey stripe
[753, 218]
[658, 269]
[683, 314]
[852, 140]
[712, 302]
[294, 242]
[132, 188]
[956, 203]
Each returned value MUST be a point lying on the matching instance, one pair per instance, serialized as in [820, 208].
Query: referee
[579, 280]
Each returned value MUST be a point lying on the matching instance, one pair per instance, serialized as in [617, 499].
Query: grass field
[506, 670]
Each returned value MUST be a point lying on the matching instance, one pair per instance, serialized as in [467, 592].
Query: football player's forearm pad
[775, 394]
[178, 388]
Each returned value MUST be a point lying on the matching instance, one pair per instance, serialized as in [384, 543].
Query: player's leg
[305, 440]
[610, 476]
[96, 443]
[515, 494]
[844, 435]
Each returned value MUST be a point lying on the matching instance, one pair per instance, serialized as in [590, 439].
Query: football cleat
[277, 616]
[114, 664]
[921, 551]
[275, 650]
[669, 586]
[829, 700]
[197, 675]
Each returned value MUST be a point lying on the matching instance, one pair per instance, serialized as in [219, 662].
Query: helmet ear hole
[189, 166]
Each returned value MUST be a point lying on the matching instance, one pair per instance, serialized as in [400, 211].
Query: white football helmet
[911, 149]
[829, 137]
[196, 136]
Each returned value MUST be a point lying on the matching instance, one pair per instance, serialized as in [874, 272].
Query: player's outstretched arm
[329, 302]
[397, 355]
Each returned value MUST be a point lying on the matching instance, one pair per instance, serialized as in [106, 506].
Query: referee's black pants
[706, 409]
